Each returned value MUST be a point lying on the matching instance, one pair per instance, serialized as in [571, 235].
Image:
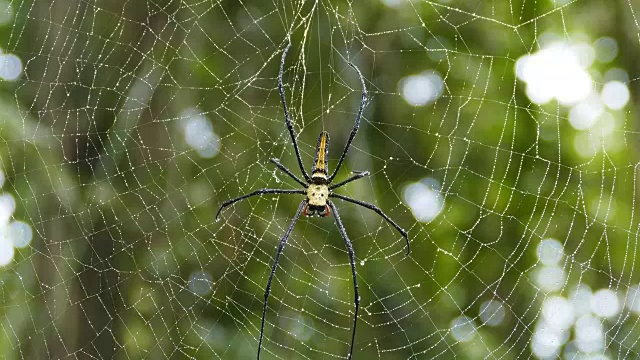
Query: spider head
[316, 210]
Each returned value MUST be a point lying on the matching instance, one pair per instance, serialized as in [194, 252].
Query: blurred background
[503, 135]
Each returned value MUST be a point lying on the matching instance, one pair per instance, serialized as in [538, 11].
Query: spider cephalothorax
[318, 189]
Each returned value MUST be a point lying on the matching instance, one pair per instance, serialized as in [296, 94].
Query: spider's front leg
[256, 193]
[288, 172]
[287, 118]
[356, 175]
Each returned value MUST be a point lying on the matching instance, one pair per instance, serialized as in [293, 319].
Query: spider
[318, 188]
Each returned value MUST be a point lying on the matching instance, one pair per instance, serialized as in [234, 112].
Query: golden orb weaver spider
[318, 190]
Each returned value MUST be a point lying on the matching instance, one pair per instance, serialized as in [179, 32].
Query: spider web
[500, 134]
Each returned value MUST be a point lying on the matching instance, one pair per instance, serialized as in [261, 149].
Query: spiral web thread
[131, 121]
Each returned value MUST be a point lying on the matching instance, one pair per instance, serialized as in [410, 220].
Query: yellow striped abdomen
[320, 166]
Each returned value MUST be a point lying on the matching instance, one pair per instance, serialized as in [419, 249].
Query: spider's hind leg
[352, 261]
[267, 290]
[379, 212]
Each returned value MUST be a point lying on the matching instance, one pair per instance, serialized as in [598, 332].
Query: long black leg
[287, 119]
[352, 260]
[363, 102]
[379, 212]
[356, 176]
[283, 242]
[288, 172]
[254, 193]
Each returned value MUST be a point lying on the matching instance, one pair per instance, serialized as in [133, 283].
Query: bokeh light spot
[550, 278]
[632, 300]
[606, 49]
[201, 282]
[492, 312]
[546, 342]
[605, 303]
[556, 71]
[589, 336]
[424, 199]
[20, 234]
[199, 133]
[422, 89]
[550, 251]
[10, 67]
[586, 113]
[615, 95]
[7, 207]
[463, 329]
[580, 299]
[558, 312]
[6, 251]
[616, 74]
[301, 327]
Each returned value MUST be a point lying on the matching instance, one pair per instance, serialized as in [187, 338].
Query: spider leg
[283, 242]
[379, 212]
[287, 119]
[347, 242]
[363, 102]
[288, 172]
[356, 176]
[254, 193]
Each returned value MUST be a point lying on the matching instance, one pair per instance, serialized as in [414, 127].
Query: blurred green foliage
[93, 148]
